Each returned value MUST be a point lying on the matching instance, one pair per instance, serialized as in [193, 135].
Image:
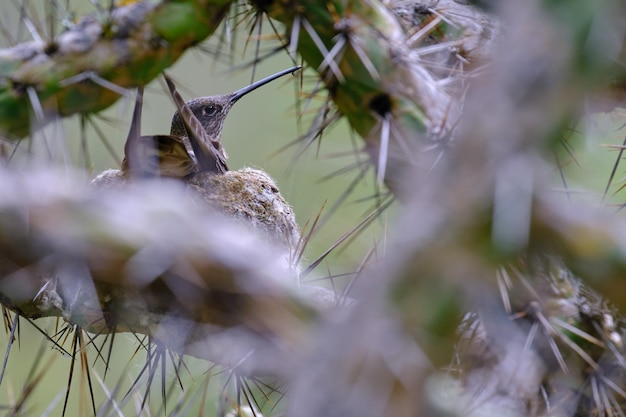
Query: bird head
[211, 111]
[201, 121]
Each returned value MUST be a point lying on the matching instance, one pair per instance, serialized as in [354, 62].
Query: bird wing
[158, 156]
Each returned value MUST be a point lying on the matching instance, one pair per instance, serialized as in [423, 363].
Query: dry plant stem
[86, 68]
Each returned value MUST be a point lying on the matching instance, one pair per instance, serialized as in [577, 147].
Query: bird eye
[210, 110]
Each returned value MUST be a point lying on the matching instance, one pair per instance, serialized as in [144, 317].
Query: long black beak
[243, 91]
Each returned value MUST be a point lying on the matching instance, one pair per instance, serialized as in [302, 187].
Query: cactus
[88, 67]
[483, 301]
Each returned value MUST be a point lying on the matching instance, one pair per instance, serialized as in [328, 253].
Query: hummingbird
[194, 143]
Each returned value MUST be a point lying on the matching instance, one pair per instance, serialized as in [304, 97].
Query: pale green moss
[251, 196]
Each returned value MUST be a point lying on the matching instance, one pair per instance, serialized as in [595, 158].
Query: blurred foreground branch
[148, 259]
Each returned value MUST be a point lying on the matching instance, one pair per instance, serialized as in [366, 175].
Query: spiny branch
[189, 291]
[88, 67]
